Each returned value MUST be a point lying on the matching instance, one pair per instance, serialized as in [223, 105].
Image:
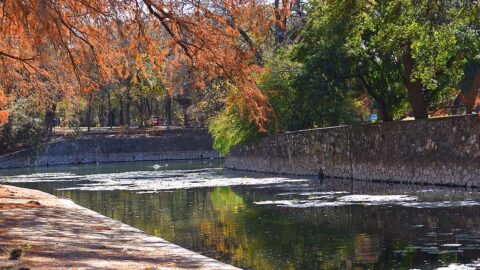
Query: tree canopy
[392, 46]
[69, 48]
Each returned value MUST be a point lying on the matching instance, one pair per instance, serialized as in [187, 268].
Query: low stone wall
[102, 149]
[436, 151]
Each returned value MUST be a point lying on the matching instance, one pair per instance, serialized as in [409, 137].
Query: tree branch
[161, 18]
[18, 58]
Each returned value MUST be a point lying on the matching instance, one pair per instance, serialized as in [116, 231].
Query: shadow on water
[228, 224]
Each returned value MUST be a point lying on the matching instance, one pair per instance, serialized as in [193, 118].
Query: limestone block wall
[103, 149]
[436, 151]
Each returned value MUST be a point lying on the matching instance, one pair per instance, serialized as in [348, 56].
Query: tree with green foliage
[301, 100]
[429, 42]
[333, 69]
[388, 49]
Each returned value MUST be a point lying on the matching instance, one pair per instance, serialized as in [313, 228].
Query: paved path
[56, 233]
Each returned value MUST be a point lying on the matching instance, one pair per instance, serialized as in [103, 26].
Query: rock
[15, 254]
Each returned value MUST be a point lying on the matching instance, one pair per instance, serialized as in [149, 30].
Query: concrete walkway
[55, 233]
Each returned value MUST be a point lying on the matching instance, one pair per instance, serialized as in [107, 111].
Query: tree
[393, 50]
[335, 65]
[430, 40]
[213, 37]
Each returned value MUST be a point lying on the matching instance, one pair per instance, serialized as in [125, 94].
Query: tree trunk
[127, 109]
[50, 118]
[54, 115]
[157, 108]
[280, 24]
[89, 114]
[110, 111]
[414, 87]
[121, 116]
[149, 107]
[185, 118]
[48, 115]
[168, 110]
[384, 115]
[382, 104]
[140, 112]
[102, 118]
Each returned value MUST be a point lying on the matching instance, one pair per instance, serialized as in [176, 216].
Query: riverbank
[115, 146]
[440, 151]
[55, 233]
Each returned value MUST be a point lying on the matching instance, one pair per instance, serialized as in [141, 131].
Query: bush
[24, 129]
[29, 134]
[7, 138]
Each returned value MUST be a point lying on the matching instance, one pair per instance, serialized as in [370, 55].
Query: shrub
[24, 129]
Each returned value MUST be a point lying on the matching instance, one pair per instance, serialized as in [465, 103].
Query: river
[257, 221]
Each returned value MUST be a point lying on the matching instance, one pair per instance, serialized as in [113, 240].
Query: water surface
[258, 221]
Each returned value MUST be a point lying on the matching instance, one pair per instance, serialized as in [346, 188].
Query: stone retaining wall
[101, 149]
[436, 151]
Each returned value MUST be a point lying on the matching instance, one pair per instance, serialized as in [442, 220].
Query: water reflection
[226, 224]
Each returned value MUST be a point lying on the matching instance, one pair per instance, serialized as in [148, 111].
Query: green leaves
[229, 129]
[443, 35]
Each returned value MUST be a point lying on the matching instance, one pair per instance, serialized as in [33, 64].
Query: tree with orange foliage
[47, 44]
[3, 113]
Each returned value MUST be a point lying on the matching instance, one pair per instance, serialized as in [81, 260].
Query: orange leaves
[3, 116]
[252, 104]
[281, 10]
[64, 48]
[3, 98]
[3, 111]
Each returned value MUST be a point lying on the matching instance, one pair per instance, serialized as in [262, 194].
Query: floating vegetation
[362, 199]
[455, 266]
[151, 181]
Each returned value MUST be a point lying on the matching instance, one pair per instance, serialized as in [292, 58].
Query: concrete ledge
[55, 233]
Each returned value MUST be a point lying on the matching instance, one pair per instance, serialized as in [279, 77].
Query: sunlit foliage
[231, 126]
[66, 49]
